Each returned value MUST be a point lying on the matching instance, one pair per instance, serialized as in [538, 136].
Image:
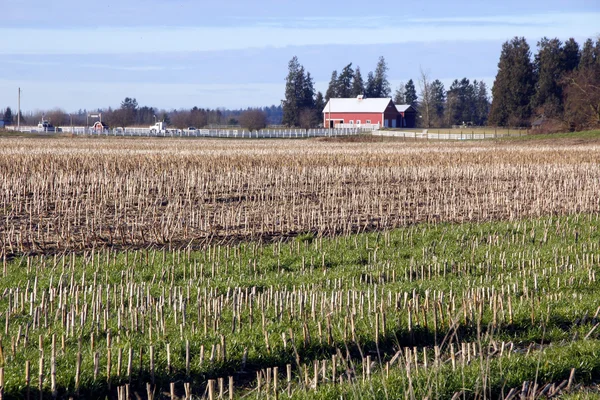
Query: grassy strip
[584, 135]
[546, 267]
[491, 377]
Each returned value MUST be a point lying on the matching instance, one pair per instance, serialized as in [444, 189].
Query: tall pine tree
[344, 82]
[588, 55]
[410, 93]
[570, 55]
[370, 90]
[331, 92]
[438, 100]
[548, 68]
[299, 96]
[482, 103]
[358, 86]
[8, 116]
[381, 85]
[514, 85]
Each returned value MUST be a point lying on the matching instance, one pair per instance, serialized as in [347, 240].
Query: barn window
[368, 121]
[358, 122]
[351, 122]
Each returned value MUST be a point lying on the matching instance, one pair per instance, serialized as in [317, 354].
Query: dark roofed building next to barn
[378, 112]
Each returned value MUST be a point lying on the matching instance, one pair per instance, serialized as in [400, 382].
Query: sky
[173, 54]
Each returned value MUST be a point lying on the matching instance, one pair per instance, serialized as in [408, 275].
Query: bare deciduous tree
[582, 98]
[425, 106]
[253, 120]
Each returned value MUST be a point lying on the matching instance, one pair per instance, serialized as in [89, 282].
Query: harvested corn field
[75, 194]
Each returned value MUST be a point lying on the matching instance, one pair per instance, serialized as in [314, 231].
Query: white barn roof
[404, 107]
[356, 105]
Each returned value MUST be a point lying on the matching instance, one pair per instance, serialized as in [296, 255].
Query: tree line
[560, 85]
[463, 101]
[130, 113]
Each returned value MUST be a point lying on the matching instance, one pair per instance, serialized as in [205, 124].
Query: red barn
[360, 111]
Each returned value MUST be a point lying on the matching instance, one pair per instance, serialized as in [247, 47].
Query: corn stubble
[78, 194]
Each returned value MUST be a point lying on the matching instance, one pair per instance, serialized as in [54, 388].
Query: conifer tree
[370, 90]
[299, 94]
[588, 56]
[358, 86]
[570, 55]
[381, 85]
[438, 99]
[8, 116]
[514, 85]
[344, 82]
[548, 68]
[482, 103]
[331, 92]
[410, 93]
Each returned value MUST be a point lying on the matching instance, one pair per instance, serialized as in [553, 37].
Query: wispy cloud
[302, 32]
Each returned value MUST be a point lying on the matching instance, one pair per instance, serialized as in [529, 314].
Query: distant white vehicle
[46, 126]
[159, 127]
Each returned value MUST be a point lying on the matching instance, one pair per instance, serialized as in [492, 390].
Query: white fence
[439, 136]
[216, 133]
[264, 134]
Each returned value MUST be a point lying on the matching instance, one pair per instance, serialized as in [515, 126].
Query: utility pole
[19, 111]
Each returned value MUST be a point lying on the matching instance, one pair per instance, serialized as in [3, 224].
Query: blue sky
[232, 53]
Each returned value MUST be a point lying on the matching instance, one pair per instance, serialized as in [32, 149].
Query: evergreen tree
[358, 86]
[128, 111]
[318, 110]
[570, 55]
[381, 85]
[552, 61]
[307, 93]
[438, 99]
[319, 102]
[468, 95]
[548, 68]
[370, 90]
[344, 82]
[8, 116]
[588, 56]
[399, 94]
[461, 105]
[331, 92]
[293, 90]
[514, 85]
[410, 93]
[482, 103]
[299, 101]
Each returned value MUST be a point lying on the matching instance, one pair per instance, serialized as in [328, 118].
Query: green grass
[421, 286]
[468, 130]
[585, 135]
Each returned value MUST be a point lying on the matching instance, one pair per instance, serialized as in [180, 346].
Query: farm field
[312, 269]
[427, 310]
[76, 194]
